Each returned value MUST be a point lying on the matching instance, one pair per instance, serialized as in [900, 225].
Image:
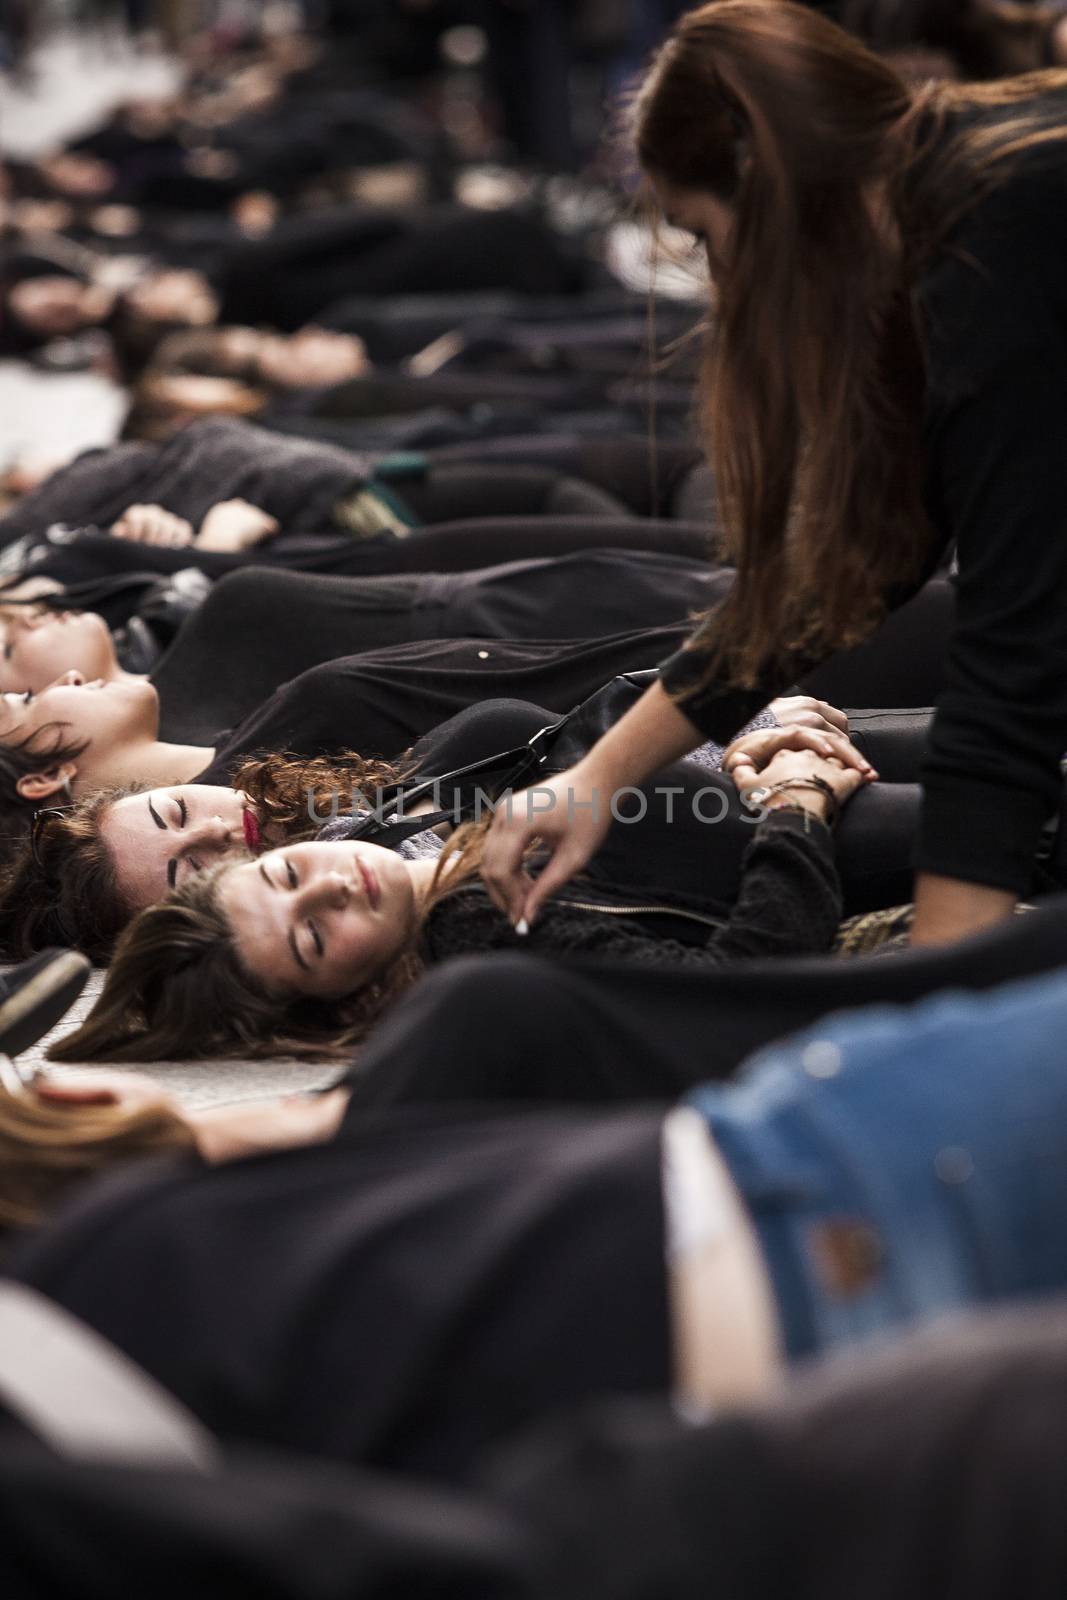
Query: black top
[994, 311]
[788, 904]
[403, 1296]
[381, 701]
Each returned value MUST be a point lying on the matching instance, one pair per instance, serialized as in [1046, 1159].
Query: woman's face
[106, 717]
[158, 839]
[709, 219]
[36, 646]
[319, 919]
[56, 307]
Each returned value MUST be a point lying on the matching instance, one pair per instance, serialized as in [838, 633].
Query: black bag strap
[387, 823]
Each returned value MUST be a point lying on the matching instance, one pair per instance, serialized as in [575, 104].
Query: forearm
[947, 909]
[651, 735]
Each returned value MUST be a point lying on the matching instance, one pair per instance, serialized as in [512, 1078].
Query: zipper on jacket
[641, 911]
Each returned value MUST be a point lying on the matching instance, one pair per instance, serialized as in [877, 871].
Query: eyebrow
[156, 818]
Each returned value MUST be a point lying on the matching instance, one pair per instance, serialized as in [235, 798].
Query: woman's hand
[153, 525]
[568, 815]
[804, 711]
[799, 767]
[235, 525]
[753, 751]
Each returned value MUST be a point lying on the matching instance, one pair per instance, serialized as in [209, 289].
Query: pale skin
[320, 919]
[655, 732]
[118, 722]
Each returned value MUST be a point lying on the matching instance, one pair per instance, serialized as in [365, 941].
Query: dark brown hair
[813, 379]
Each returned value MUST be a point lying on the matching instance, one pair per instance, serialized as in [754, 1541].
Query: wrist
[798, 800]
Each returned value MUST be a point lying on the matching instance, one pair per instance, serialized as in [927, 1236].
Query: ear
[43, 785]
[79, 1090]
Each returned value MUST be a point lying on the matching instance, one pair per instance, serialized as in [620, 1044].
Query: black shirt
[405, 1295]
[994, 314]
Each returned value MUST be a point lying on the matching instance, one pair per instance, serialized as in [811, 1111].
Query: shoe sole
[40, 1003]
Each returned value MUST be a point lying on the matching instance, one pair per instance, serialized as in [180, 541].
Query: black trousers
[518, 1028]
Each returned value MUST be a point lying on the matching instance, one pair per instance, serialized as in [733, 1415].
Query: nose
[211, 834]
[329, 891]
[69, 680]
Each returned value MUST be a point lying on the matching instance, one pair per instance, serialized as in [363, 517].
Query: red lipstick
[370, 882]
[253, 837]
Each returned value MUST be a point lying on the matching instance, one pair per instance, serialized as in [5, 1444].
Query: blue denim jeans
[902, 1162]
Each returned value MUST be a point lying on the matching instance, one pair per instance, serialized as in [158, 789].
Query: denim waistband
[905, 1162]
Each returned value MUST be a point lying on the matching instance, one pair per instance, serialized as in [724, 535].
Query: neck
[422, 876]
[150, 762]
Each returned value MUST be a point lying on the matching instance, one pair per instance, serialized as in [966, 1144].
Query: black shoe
[37, 994]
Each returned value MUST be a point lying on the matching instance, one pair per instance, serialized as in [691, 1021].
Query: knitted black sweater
[789, 904]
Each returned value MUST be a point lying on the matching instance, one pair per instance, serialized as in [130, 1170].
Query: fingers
[507, 882]
[557, 871]
[762, 746]
[153, 525]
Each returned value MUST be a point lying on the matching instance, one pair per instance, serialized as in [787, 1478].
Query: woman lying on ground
[91, 868]
[305, 948]
[432, 1282]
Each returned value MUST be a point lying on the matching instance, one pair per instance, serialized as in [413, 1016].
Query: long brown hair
[177, 988]
[46, 1149]
[811, 393]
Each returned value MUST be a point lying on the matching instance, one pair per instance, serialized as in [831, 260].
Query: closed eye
[316, 938]
[290, 874]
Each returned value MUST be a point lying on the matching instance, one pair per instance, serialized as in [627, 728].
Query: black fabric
[269, 1526]
[381, 702]
[994, 314]
[261, 627]
[934, 1467]
[402, 1297]
[216, 459]
[308, 263]
[511, 1027]
[787, 902]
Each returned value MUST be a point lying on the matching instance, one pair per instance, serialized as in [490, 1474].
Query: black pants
[518, 1028]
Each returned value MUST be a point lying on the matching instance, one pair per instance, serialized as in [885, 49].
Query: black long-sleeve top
[788, 904]
[993, 304]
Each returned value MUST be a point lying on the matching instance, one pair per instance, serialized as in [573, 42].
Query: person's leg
[458, 546]
[457, 492]
[516, 1027]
